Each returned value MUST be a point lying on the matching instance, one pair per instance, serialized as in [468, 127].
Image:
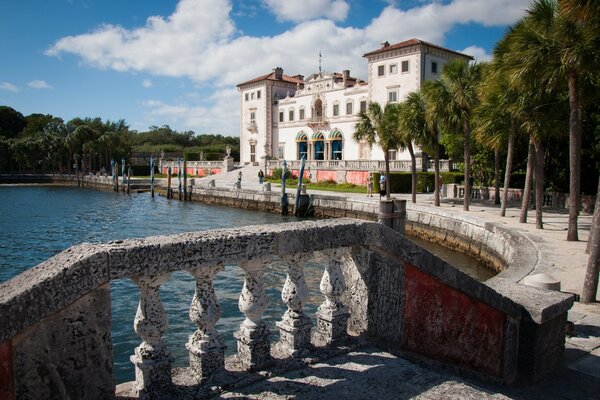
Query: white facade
[286, 116]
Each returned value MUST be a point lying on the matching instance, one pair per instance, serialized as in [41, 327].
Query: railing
[358, 165]
[252, 126]
[317, 120]
[375, 282]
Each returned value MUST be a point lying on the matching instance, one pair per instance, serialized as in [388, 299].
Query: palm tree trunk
[386, 158]
[467, 166]
[539, 183]
[528, 183]
[413, 173]
[497, 176]
[508, 171]
[595, 223]
[436, 169]
[590, 282]
[574, 157]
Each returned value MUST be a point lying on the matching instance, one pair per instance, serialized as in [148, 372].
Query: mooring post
[184, 180]
[112, 173]
[169, 191]
[128, 179]
[400, 215]
[179, 178]
[284, 196]
[123, 174]
[386, 213]
[299, 189]
[152, 176]
[116, 176]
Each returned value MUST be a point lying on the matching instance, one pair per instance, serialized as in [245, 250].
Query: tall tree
[380, 126]
[459, 81]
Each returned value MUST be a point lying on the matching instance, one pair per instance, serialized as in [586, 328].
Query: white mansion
[285, 117]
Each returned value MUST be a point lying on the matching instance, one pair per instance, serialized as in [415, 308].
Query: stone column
[205, 345]
[254, 347]
[294, 328]
[332, 315]
[151, 358]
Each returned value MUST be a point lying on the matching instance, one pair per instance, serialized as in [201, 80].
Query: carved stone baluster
[294, 328]
[254, 348]
[332, 315]
[151, 358]
[205, 345]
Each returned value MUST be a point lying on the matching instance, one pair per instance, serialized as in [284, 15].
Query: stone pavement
[386, 376]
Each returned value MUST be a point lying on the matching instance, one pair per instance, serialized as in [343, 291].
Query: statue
[228, 151]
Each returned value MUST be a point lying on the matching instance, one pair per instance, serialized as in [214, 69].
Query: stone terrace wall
[395, 293]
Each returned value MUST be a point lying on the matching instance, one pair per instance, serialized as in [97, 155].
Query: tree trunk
[386, 158]
[467, 197]
[574, 157]
[590, 282]
[539, 183]
[413, 173]
[436, 169]
[508, 171]
[595, 223]
[528, 183]
[497, 176]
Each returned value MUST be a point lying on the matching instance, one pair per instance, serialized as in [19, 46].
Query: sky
[177, 63]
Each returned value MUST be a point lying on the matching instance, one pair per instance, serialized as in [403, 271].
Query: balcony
[252, 127]
[317, 121]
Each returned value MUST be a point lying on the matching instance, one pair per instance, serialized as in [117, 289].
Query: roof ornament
[320, 56]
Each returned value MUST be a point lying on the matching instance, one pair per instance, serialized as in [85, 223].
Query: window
[363, 106]
[291, 115]
[281, 151]
[246, 96]
[393, 68]
[392, 155]
[280, 116]
[392, 96]
[252, 116]
[258, 95]
[433, 67]
[349, 108]
[301, 114]
[405, 66]
[381, 70]
[253, 153]
[336, 110]
[252, 95]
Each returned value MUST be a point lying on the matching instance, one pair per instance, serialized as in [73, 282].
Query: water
[37, 222]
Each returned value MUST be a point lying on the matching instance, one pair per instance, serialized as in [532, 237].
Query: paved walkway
[387, 376]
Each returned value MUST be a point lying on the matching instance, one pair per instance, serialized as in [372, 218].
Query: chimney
[278, 73]
[345, 76]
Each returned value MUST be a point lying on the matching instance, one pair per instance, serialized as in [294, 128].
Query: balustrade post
[254, 347]
[205, 345]
[151, 358]
[332, 315]
[295, 326]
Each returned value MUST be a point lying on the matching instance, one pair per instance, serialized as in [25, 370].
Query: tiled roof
[271, 77]
[412, 42]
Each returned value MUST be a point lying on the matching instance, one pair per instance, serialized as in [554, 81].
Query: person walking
[239, 180]
[261, 176]
[370, 185]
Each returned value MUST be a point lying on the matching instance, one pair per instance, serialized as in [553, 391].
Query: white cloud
[147, 83]
[199, 41]
[221, 115]
[297, 11]
[39, 84]
[478, 53]
[9, 86]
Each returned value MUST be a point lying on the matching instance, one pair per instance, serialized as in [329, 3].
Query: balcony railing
[317, 121]
[251, 126]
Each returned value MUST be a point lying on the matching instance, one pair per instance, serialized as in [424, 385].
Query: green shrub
[191, 156]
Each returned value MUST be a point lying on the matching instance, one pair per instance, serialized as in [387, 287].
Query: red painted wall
[7, 388]
[325, 175]
[357, 177]
[444, 323]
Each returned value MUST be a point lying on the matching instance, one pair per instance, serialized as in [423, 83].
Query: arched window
[319, 145]
[337, 144]
[302, 144]
[318, 111]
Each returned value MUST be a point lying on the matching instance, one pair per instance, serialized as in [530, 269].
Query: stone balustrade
[55, 332]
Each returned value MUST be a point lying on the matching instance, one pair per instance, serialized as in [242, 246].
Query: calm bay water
[37, 222]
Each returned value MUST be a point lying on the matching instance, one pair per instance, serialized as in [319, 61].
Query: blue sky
[176, 63]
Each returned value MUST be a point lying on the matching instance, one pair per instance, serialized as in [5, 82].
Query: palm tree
[380, 126]
[558, 47]
[413, 129]
[457, 88]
